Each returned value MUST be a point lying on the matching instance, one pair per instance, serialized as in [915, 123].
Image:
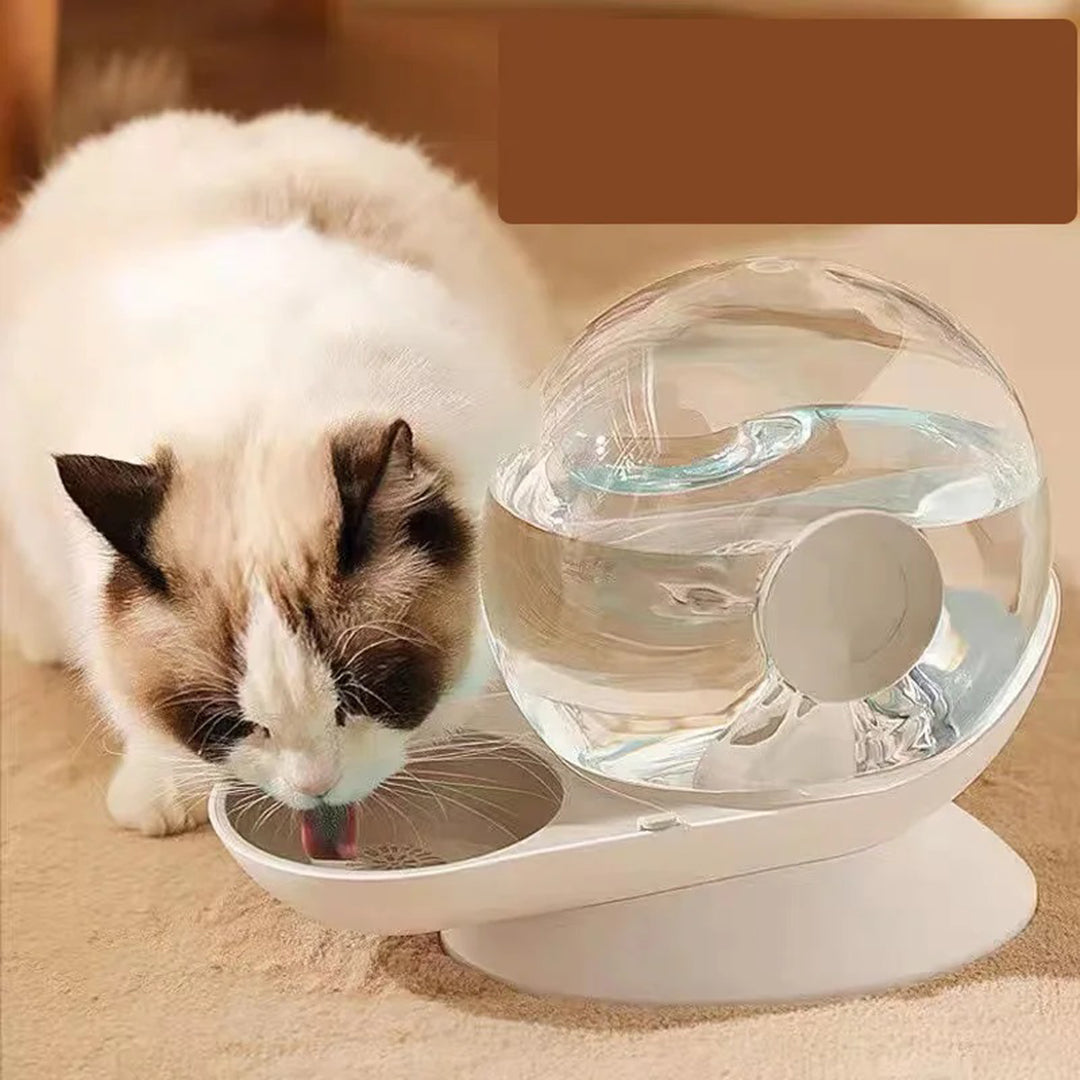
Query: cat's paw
[145, 796]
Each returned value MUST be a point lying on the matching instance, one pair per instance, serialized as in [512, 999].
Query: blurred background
[416, 69]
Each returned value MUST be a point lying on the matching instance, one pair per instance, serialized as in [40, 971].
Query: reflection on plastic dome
[691, 435]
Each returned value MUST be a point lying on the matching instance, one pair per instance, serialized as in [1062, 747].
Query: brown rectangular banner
[609, 119]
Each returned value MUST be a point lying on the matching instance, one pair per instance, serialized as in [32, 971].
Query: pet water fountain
[772, 588]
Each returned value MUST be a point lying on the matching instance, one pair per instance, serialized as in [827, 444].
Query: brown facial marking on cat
[441, 531]
[401, 683]
[125, 587]
[177, 656]
[410, 540]
[360, 548]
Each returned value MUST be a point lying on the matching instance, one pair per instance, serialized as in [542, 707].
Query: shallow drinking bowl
[463, 798]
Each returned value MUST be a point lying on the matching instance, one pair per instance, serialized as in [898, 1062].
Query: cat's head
[290, 611]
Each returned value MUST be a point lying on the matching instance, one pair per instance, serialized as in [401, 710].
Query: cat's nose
[314, 780]
[315, 788]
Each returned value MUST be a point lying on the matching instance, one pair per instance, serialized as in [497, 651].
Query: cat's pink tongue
[329, 832]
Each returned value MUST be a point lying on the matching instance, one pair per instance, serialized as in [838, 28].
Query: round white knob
[851, 606]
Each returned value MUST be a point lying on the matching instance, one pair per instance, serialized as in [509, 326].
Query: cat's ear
[365, 460]
[120, 499]
[396, 456]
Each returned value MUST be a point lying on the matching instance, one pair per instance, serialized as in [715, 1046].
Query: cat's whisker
[267, 813]
[97, 726]
[465, 806]
[467, 794]
[388, 803]
[409, 797]
[247, 806]
[478, 785]
[353, 683]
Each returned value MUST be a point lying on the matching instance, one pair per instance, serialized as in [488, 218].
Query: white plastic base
[941, 895]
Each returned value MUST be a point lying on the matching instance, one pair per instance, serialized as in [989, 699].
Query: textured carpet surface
[126, 957]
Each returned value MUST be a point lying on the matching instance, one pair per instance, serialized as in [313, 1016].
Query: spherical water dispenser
[784, 536]
[771, 588]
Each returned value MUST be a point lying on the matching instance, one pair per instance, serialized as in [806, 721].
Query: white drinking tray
[669, 900]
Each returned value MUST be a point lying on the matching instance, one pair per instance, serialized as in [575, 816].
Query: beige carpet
[126, 957]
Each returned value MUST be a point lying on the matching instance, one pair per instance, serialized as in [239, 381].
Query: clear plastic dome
[785, 531]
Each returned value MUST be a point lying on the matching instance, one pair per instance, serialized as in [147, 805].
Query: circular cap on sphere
[851, 606]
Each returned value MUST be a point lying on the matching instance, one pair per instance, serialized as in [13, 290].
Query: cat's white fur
[188, 277]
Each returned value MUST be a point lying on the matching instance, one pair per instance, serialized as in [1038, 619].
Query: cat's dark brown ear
[364, 458]
[120, 499]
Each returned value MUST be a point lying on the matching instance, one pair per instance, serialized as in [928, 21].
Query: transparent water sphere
[785, 533]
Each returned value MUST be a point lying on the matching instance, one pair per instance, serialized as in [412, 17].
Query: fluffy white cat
[254, 378]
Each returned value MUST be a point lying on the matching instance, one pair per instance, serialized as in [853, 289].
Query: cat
[254, 379]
